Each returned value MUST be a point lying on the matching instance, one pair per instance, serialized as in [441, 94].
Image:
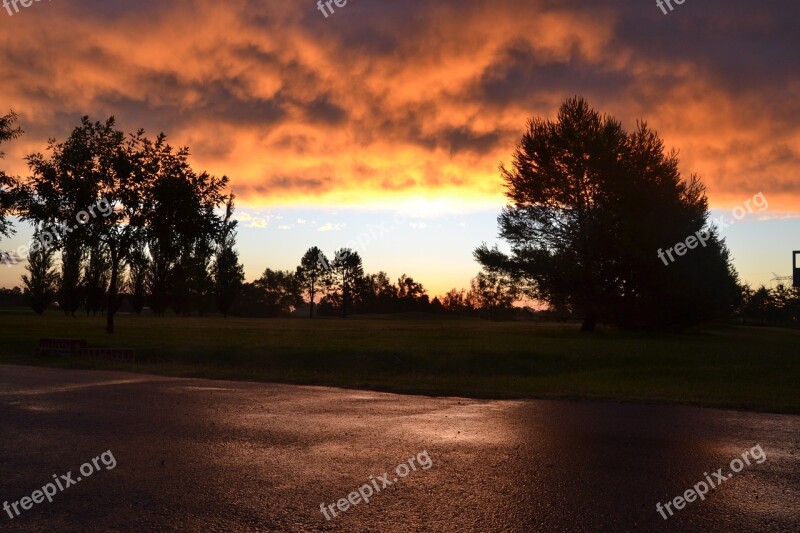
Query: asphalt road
[198, 455]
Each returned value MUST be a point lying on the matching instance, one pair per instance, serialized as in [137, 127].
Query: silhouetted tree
[227, 272]
[40, 284]
[202, 257]
[378, 294]
[7, 183]
[347, 272]
[191, 276]
[787, 305]
[70, 291]
[87, 189]
[12, 297]
[312, 274]
[492, 293]
[125, 201]
[760, 305]
[411, 295]
[96, 279]
[138, 267]
[276, 292]
[779, 306]
[455, 301]
[589, 207]
[60, 187]
[180, 224]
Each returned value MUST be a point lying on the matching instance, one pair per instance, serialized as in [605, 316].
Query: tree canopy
[589, 206]
[7, 132]
[110, 201]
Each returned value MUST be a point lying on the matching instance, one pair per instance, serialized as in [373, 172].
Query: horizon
[422, 246]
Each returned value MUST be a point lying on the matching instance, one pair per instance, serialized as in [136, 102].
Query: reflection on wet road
[198, 455]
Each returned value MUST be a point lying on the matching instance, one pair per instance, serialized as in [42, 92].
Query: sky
[382, 125]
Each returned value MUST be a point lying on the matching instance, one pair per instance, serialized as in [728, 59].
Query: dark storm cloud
[437, 92]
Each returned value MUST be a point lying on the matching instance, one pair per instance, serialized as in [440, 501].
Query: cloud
[778, 215]
[257, 223]
[331, 227]
[393, 100]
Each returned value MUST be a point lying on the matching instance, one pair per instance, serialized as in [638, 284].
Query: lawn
[746, 368]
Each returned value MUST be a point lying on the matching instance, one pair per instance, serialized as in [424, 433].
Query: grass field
[748, 368]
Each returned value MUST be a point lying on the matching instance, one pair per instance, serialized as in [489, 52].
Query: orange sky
[386, 100]
[411, 105]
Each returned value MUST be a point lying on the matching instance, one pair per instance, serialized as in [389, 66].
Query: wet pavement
[199, 455]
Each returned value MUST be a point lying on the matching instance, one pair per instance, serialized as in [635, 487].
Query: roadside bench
[60, 347]
[119, 354]
[63, 347]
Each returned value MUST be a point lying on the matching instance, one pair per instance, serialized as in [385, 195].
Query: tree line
[778, 306]
[338, 286]
[165, 238]
[589, 207]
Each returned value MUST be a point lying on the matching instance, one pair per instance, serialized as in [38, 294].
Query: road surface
[200, 455]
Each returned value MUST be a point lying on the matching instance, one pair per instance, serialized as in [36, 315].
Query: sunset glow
[409, 106]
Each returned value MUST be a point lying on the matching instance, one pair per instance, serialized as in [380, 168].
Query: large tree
[312, 274]
[118, 199]
[7, 132]
[181, 225]
[90, 187]
[347, 272]
[589, 207]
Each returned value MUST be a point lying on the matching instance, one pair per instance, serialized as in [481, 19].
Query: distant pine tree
[227, 274]
[41, 283]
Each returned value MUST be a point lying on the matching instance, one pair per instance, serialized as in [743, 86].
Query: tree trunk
[311, 309]
[344, 298]
[112, 292]
[589, 321]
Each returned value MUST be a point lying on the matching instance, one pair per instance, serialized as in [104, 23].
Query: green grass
[747, 368]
